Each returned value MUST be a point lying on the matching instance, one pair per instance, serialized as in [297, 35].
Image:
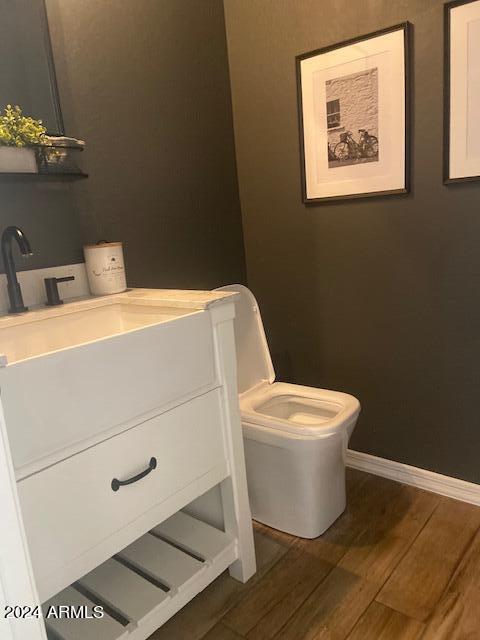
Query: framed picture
[462, 91]
[354, 102]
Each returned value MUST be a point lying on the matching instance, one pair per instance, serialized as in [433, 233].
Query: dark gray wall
[379, 298]
[146, 84]
[48, 213]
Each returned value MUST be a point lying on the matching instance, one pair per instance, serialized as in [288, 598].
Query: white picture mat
[464, 160]
[387, 53]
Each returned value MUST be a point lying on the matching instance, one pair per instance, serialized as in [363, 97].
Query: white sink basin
[44, 334]
[75, 375]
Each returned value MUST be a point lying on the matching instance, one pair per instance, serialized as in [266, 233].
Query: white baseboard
[414, 476]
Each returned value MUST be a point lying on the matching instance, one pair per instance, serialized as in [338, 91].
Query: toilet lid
[254, 363]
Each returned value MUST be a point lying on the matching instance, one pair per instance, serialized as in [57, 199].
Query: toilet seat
[298, 410]
[301, 411]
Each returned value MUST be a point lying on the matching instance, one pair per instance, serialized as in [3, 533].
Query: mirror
[27, 73]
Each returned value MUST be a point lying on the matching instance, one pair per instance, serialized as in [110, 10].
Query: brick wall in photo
[358, 97]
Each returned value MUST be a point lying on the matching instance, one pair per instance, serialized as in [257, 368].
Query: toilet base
[296, 485]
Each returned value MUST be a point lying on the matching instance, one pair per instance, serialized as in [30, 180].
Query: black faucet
[13, 286]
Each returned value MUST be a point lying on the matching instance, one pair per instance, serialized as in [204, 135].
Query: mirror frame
[52, 73]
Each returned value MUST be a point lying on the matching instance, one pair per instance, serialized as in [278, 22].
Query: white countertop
[170, 298]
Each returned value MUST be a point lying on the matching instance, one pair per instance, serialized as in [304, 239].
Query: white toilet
[295, 437]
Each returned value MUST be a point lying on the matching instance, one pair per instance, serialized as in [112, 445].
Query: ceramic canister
[105, 268]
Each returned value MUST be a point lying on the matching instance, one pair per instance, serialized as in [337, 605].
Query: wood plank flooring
[399, 564]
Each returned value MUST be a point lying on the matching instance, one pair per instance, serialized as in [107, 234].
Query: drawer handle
[116, 484]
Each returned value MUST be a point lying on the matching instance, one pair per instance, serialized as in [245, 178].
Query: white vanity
[126, 447]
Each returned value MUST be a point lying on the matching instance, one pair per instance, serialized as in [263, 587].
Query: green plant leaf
[17, 130]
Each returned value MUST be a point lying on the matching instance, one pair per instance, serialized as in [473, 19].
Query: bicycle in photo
[350, 149]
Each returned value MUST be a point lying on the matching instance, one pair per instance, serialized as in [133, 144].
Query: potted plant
[19, 136]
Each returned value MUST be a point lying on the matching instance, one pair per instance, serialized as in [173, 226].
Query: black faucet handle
[51, 287]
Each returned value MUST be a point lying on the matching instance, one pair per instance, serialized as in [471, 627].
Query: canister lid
[102, 244]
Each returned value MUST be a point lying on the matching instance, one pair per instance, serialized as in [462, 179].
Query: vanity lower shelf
[145, 584]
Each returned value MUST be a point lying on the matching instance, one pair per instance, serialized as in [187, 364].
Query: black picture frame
[407, 29]
[447, 9]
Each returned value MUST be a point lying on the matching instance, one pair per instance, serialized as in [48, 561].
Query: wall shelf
[40, 177]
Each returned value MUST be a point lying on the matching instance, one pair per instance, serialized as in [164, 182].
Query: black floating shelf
[36, 177]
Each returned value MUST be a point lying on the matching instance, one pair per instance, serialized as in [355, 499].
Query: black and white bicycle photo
[349, 151]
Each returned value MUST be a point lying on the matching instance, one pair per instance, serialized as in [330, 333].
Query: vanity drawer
[71, 507]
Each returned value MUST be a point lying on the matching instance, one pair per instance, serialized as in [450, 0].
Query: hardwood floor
[399, 564]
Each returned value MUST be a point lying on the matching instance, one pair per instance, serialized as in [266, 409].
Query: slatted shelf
[124, 591]
[105, 628]
[193, 535]
[162, 562]
[183, 554]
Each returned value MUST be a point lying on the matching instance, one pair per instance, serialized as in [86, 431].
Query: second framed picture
[462, 91]
[354, 117]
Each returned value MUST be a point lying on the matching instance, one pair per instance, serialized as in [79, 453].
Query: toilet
[295, 437]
